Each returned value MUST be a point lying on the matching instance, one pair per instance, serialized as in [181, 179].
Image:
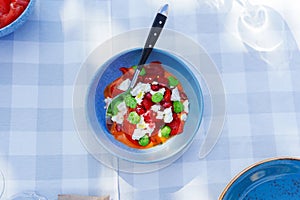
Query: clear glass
[263, 29]
[28, 195]
[2, 184]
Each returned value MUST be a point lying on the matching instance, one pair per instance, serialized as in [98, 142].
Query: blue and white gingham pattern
[39, 148]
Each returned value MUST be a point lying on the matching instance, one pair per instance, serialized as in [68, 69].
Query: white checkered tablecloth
[39, 147]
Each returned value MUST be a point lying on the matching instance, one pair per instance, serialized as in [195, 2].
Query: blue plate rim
[251, 167]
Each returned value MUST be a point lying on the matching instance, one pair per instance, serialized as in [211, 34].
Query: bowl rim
[19, 21]
[250, 167]
[158, 148]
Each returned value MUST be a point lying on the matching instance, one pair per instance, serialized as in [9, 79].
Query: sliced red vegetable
[150, 117]
[4, 6]
[167, 95]
[166, 104]
[10, 10]
[175, 125]
[124, 70]
[148, 95]
[154, 72]
[147, 103]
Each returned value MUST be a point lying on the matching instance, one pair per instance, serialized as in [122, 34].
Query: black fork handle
[153, 35]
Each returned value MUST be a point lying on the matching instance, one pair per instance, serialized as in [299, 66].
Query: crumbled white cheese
[139, 97]
[119, 117]
[142, 124]
[175, 95]
[168, 115]
[155, 107]
[149, 130]
[142, 128]
[186, 106]
[107, 101]
[161, 90]
[122, 108]
[137, 134]
[183, 117]
[140, 87]
[124, 85]
[160, 115]
[154, 83]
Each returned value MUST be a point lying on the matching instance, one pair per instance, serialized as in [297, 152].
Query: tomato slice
[10, 10]
[21, 2]
[4, 6]
[176, 125]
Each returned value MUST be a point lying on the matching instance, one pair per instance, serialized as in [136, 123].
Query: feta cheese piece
[124, 85]
[107, 101]
[122, 108]
[168, 116]
[139, 97]
[137, 134]
[140, 87]
[186, 106]
[160, 115]
[142, 124]
[150, 129]
[175, 95]
[119, 117]
[155, 107]
[161, 90]
[142, 128]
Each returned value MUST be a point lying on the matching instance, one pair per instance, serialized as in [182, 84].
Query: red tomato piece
[167, 95]
[154, 69]
[15, 9]
[21, 2]
[4, 6]
[135, 142]
[148, 95]
[127, 127]
[147, 103]
[175, 125]
[162, 80]
[166, 104]
[124, 70]
[150, 116]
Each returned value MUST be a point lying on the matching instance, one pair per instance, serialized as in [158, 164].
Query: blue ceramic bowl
[276, 179]
[19, 21]
[95, 111]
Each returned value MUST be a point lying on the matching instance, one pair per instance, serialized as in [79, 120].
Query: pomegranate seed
[155, 87]
[140, 110]
[166, 104]
[148, 95]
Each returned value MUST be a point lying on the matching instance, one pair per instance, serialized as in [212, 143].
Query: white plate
[174, 43]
